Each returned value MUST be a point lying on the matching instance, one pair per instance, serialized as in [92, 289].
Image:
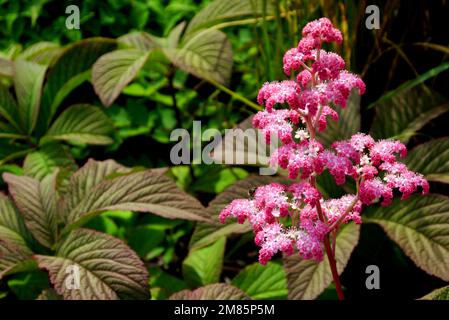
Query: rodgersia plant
[296, 218]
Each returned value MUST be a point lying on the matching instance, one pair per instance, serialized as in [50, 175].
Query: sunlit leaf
[88, 177]
[81, 123]
[207, 55]
[262, 282]
[114, 70]
[43, 52]
[70, 70]
[144, 191]
[203, 266]
[220, 11]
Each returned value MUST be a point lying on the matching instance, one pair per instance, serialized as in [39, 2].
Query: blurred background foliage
[409, 52]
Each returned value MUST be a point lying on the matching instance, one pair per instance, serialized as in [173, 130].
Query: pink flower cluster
[285, 218]
[275, 201]
[320, 83]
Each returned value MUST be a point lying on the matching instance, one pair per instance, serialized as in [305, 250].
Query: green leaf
[407, 86]
[218, 291]
[43, 52]
[28, 81]
[207, 55]
[46, 160]
[8, 107]
[203, 266]
[114, 70]
[175, 35]
[36, 202]
[262, 282]
[14, 252]
[140, 40]
[220, 11]
[403, 115]
[215, 181]
[207, 233]
[69, 71]
[105, 225]
[6, 67]
[145, 191]
[306, 279]
[27, 286]
[88, 177]
[163, 284]
[8, 131]
[347, 125]
[12, 226]
[9, 150]
[14, 258]
[81, 123]
[420, 226]
[431, 159]
[439, 294]
[108, 269]
[144, 239]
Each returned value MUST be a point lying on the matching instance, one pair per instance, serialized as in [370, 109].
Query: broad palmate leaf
[107, 268]
[207, 55]
[145, 191]
[220, 11]
[86, 178]
[114, 70]
[72, 68]
[420, 226]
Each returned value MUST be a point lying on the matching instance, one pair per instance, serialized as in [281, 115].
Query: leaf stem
[235, 95]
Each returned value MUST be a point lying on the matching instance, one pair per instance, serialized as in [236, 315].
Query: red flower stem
[333, 265]
[327, 246]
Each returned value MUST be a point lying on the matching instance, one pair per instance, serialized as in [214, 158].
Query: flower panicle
[296, 217]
